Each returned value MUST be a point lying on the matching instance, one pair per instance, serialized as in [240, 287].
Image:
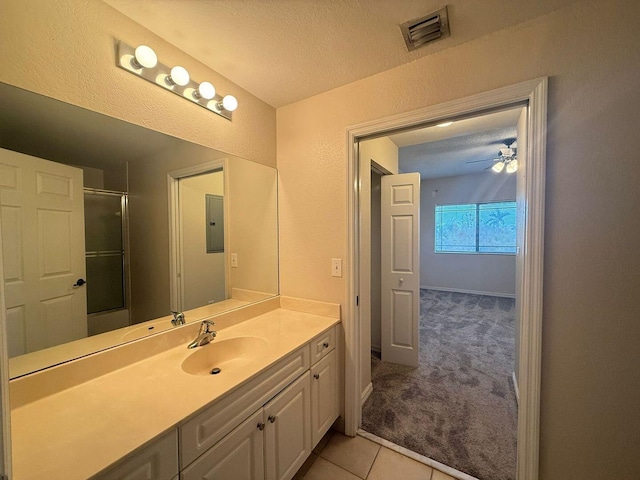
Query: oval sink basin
[222, 356]
[140, 332]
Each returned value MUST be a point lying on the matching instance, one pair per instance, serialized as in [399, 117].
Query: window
[476, 228]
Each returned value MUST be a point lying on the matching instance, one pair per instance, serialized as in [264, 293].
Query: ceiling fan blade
[485, 160]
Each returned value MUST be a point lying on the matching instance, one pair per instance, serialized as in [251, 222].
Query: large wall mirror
[107, 227]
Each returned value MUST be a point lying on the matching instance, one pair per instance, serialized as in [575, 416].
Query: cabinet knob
[261, 426]
[325, 345]
[316, 376]
[272, 418]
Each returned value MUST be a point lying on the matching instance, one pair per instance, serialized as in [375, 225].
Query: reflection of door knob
[79, 283]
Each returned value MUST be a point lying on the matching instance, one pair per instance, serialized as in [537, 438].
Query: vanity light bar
[143, 62]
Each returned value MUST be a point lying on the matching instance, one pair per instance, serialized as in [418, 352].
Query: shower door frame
[124, 212]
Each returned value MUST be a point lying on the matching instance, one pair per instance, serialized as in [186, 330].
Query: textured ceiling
[467, 146]
[285, 50]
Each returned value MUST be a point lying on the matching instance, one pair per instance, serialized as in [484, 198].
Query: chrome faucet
[205, 335]
[178, 318]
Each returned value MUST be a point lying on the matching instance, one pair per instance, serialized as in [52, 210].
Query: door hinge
[357, 301]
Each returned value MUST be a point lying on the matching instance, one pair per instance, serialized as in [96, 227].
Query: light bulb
[229, 103]
[512, 166]
[144, 57]
[178, 76]
[498, 167]
[205, 90]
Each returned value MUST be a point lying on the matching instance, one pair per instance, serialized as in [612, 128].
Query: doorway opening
[531, 94]
[458, 398]
[198, 236]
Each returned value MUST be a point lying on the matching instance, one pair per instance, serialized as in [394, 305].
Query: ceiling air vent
[427, 29]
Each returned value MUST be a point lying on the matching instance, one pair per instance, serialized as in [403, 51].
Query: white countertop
[79, 431]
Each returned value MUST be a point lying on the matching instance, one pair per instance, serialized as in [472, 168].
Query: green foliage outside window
[476, 228]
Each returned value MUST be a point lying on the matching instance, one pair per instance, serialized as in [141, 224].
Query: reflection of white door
[42, 216]
[400, 268]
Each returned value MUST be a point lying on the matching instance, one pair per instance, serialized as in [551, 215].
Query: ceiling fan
[507, 158]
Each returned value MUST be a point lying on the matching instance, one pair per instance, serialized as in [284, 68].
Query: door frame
[533, 93]
[175, 226]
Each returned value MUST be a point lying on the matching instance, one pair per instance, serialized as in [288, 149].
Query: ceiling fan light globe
[512, 166]
[498, 167]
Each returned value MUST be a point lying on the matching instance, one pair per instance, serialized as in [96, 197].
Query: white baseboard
[366, 393]
[473, 292]
[515, 387]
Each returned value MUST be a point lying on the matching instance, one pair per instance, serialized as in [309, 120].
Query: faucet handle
[206, 324]
[178, 318]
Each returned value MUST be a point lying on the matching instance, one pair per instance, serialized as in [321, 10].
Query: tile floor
[338, 457]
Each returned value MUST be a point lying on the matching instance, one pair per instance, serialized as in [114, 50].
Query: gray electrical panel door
[215, 223]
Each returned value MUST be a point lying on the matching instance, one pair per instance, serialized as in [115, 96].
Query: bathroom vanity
[153, 409]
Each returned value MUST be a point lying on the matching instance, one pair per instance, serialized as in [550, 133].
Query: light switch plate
[336, 267]
[234, 260]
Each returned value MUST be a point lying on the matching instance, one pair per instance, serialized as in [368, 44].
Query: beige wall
[253, 228]
[590, 425]
[376, 261]
[66, 50]
[383, 152]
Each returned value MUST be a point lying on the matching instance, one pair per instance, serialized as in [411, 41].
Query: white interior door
[42, 217]
[400, 268]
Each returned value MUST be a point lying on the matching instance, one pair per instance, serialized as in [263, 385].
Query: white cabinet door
[238, 456]
[158, 461]
[324, 396]
[288, 430]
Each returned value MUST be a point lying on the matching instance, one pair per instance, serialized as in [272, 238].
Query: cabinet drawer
[213, 423]
[158, 461]
[323, 344]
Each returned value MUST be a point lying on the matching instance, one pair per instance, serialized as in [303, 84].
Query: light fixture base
[159, 73]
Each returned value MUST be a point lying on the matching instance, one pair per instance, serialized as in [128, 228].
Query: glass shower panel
[104, 245]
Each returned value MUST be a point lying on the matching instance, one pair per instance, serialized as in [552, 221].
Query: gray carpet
[458, 407]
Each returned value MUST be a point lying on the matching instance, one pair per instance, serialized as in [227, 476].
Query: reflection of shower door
[105, 233]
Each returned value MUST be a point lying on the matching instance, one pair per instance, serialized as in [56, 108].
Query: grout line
[340, 467]
[457, 474]
[374, 461]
